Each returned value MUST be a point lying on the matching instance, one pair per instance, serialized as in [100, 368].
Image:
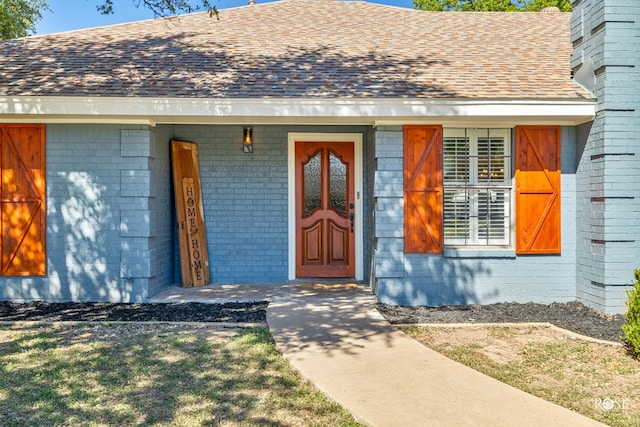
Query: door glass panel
[338, 184]
[312, 199]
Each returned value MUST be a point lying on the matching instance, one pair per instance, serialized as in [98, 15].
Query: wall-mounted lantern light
[247, 140]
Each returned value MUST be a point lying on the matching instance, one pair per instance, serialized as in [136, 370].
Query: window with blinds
[477, 186]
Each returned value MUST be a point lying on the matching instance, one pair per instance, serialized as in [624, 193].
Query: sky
[68, 15]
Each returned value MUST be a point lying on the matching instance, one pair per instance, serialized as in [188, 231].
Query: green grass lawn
[152, 375]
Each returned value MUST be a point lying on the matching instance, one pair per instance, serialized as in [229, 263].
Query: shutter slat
[538, 190]
[423, 189]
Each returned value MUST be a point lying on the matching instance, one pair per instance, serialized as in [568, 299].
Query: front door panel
[325, 214]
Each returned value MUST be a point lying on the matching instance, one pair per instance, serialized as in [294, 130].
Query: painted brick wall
[370, 212]
[245, 199]
[465, 276]
[97, 217]
[161, 246]
[606, 33]
[388, 263]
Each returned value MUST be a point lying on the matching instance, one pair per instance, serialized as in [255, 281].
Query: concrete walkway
[341, 344]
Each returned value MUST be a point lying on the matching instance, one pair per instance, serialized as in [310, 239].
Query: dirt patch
[593, 378]
[501, 344]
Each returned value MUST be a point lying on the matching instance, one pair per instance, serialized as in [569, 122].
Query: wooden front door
[325, 211]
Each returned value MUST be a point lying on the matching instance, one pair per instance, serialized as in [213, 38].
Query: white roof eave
[361, 111]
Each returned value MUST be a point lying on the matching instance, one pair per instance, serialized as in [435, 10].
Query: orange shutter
[537, 189]
[423, 189]
[22, 200]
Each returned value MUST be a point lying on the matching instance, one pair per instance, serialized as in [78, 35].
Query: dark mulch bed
[573, 316]
[236, 312]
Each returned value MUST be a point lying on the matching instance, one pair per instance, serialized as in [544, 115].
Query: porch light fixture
[247, 140]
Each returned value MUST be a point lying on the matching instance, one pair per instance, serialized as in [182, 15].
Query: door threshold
[320, 283]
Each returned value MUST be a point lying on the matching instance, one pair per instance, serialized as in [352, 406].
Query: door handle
[352, 216]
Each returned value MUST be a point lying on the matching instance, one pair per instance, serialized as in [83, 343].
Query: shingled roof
[302, 49]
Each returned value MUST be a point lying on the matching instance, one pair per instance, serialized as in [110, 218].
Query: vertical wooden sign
[194, 259]
[194, 222]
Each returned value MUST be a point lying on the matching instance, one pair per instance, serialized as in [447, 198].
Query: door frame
[356, 139]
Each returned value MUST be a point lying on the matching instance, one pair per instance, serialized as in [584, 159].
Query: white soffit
[152, 111]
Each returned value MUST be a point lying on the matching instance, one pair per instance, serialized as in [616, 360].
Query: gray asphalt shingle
[302, 48]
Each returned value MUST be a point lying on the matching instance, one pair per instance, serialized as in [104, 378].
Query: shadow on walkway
[339, 342]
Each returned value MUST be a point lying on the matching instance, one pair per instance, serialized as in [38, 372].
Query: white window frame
[472, 187]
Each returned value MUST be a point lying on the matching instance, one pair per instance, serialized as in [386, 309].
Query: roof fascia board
[153, 111]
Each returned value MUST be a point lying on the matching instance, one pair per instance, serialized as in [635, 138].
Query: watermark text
[608, 404]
